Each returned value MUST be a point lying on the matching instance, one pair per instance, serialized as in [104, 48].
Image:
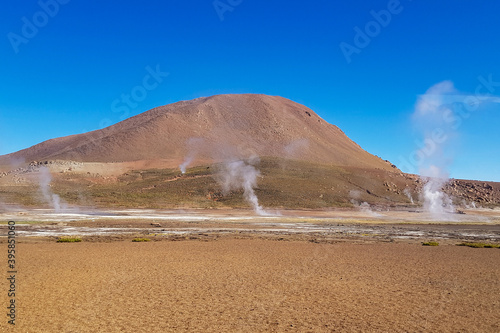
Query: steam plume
[408, 194]
[187, 161]
[436, 201]
[361, 206]
[193, 146]
[439, 113]
[242, 174]
[431, 113]
[52, 199]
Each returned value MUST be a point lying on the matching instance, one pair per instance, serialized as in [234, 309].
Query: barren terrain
[252, 285]
[215, 270]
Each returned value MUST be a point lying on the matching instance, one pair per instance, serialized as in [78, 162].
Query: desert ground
[232, 271]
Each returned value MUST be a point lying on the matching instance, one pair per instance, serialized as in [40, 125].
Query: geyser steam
[432, 113]
[193, 146]
[436, 201]
[52, 199]
[361, 206]
[242, 174]
[187, 161]
[408, 194]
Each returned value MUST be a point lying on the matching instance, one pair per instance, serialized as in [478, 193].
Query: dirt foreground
[254, 285]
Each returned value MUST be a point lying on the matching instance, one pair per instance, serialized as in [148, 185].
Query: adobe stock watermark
[373, 28]
[129, 101]
[223, 6]
[463, 107]
[30, 27]
[11, 272]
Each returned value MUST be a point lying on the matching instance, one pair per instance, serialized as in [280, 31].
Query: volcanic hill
[305, 162]
[212, 128]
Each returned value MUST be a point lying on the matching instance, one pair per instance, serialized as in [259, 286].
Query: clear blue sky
[64, 78]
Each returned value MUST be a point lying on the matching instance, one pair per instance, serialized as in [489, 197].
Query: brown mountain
[212, 128]
[305, 162]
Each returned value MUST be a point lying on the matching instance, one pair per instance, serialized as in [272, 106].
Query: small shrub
[141, 240]
[480, 245]
[69, 239]
[430, 244]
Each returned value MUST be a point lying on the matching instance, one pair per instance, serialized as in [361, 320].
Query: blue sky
[68, 75]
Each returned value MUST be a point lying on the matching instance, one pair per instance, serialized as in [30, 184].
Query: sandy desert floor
[234, 272]
[254, 285]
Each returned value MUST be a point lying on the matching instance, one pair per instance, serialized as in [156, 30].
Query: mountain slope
[212, 128]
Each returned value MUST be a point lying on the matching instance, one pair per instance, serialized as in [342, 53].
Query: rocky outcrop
[474, 191]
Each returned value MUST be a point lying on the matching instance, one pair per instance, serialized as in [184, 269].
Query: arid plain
[255, 285]
[232, 271]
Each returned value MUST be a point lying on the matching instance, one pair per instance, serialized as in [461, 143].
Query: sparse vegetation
[480, 245]
[284, 183]
[69, 240]
[138, 239]
[430, 244]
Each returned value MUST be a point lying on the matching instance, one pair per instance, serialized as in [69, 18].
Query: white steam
[438, 114]
[235, 173]
[431, 113]
[469, 205]
[187, 161]
[242, 174]
[363, 206]
[193, 146]
[436, 202]
[408, 194]
[44, 180]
